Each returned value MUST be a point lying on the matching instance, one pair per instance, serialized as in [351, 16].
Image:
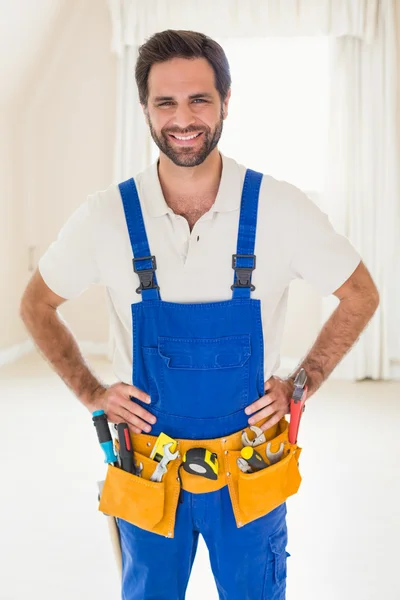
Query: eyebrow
[191, 97]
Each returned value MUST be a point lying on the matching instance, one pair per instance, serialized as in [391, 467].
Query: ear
[145, 112]
[225, 104]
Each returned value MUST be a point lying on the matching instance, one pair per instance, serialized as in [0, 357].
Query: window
[278, 116]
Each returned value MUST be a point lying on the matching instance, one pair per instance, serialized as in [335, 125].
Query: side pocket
[134, 499]
[150, 505]
[260, 492]
[276, 571]
[277, 544]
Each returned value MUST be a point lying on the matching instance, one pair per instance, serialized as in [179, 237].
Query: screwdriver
[125, 448]
[99, 419]
[253, 458]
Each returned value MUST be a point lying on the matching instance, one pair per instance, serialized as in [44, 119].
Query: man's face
[184, 103]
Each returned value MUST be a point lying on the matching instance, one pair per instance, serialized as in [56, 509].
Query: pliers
[243, 465]
[297, 405]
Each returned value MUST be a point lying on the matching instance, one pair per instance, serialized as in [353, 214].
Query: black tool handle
[257, 462]
[101, 424]
[253, 458]
[125, 448]
[103, 433]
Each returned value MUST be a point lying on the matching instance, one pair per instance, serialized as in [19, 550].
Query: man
[200, 361]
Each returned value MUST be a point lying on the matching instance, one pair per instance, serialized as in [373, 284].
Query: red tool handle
[296, 411]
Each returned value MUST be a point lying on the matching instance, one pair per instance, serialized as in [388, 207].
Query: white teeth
[189, 137]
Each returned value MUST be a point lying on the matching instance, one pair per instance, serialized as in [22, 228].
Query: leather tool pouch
[253, 495]
[152, 505]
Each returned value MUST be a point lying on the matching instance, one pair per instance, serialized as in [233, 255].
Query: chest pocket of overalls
[208, 376]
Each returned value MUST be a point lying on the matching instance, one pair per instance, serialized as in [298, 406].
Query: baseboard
[395, 371]
[13, 353]
[341, 373]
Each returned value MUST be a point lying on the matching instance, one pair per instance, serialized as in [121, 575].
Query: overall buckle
[146, 276]
[243, 274]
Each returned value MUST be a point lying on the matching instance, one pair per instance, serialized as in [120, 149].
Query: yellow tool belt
[152, 505]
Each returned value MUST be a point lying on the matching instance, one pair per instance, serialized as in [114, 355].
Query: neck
[186, 183]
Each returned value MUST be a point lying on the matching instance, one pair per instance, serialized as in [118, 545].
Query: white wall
[11, 329]
[67, 143]
[394, 288]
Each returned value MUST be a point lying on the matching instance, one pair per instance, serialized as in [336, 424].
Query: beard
[187, 156]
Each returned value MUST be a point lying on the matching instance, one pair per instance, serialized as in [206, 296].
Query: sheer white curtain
[278, 115]
[133, 142]
[362, 190]
[135, 20]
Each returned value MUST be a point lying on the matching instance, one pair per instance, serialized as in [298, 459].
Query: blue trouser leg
[155, 567]
[248, 563]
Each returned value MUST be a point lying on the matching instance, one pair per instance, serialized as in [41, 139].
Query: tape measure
[200, 461]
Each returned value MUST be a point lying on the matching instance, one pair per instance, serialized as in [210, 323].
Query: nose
[183, 116]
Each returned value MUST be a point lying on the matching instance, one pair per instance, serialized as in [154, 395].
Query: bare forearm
[57, 344]
[336, 338]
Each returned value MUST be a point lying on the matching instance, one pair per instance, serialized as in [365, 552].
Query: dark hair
[171, 43]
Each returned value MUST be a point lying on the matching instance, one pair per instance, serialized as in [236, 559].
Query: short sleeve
[69, 265]
[319, 255]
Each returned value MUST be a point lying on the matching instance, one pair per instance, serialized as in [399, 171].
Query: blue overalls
[202, 364]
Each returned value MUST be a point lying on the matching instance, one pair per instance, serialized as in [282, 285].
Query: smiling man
[186, 128]
[191, 149]
[197, 324]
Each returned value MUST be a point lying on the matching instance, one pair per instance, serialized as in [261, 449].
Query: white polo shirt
[294, 240]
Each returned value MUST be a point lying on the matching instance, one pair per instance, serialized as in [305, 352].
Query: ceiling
[24, 27]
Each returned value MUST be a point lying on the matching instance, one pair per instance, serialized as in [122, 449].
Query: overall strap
[244, 261]
[143, 263]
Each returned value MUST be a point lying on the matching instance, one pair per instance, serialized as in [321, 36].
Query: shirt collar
[228, 196]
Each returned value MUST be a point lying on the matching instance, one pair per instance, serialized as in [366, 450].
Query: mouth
[185, 140]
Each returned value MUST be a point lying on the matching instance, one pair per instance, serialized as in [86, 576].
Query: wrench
[259, 439]
[274, 457]
[161, 468]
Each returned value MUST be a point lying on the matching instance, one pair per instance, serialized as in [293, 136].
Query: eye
[199, 100]
[167, 103]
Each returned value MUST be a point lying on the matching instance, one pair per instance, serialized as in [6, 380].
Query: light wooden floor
[344, 525]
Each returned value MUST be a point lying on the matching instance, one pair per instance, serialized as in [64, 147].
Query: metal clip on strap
[146, 276]
[243, 274]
